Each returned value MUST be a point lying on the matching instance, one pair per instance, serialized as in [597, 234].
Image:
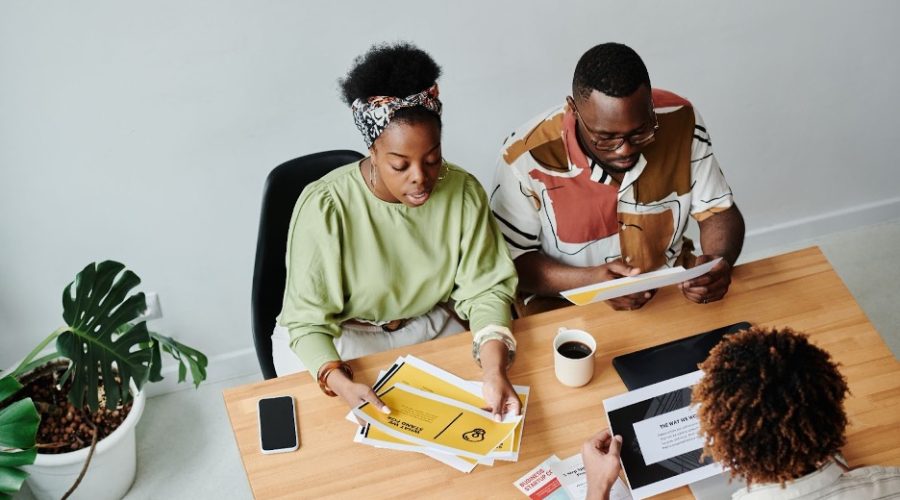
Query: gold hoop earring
[444, 170]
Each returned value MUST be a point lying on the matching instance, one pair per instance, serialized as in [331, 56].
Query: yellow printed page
[430, 378]
[583, 298]
[511, 443]
[420, 379]
[586, 297]
[374, 434]
[428, 419]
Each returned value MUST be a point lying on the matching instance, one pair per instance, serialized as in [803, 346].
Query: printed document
[418, 373]
[437, 422]
[661, 445]
[634, 284]
[556, 479]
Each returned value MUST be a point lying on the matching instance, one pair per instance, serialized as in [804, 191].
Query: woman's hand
[497, 391]
[601, 463]
[352, 393]
[500, 396]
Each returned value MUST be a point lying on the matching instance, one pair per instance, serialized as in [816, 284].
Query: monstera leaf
[103, 342]
[195, 359]
[18, 427]
[100, 340]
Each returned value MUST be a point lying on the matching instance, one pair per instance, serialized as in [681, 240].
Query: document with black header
[661, 445]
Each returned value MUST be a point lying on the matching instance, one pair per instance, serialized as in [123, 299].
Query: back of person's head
[396, 70]
[611, 68]
[771, 405]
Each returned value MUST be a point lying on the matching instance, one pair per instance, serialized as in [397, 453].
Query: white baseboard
[221, 367]
[764, 241]
[758, 243]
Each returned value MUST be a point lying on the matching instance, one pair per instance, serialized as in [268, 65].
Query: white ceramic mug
[575, 365]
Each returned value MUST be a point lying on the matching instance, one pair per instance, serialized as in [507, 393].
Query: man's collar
[632, 175]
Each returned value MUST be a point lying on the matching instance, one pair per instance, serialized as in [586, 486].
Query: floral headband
[373, 115]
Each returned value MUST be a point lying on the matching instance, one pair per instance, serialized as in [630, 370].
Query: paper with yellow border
[420, 374]
[373, 437]
[634, 284]
[437, 422]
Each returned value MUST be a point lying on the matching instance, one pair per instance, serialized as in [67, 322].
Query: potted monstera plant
[87, 391]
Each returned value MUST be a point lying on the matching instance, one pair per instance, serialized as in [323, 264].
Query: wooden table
[799, 289]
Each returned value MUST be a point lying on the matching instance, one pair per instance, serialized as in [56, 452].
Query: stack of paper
[438, 414]
[556, 479]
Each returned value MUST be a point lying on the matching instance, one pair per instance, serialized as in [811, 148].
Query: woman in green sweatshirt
[388, 251]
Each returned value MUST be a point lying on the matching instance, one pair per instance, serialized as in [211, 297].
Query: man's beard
[610, 169]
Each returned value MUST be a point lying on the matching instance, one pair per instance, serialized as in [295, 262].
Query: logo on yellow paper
[475, 435]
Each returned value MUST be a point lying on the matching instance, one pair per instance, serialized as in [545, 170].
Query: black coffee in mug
[574, 349]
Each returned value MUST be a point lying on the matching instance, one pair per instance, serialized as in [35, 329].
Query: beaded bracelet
[326, 370]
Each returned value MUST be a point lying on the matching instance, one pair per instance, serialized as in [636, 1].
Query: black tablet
[669, 360]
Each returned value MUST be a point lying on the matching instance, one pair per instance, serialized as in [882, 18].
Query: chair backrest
[283, 187]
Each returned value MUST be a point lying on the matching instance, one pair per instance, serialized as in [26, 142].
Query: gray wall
[143, 131]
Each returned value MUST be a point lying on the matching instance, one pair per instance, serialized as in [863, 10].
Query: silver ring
[705, 300]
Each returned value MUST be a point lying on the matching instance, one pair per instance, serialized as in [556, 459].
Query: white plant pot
[109, 475]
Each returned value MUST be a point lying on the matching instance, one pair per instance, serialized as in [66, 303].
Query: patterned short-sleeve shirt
[548, 195]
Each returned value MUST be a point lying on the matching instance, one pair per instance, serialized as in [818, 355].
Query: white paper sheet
[634, 284]
[573, 478]
[668, 435]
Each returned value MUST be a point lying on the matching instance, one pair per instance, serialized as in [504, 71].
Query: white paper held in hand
[634, 284]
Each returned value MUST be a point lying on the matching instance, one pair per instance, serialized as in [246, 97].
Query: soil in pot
[63, 427]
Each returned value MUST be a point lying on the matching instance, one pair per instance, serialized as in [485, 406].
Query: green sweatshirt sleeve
[313, 294]
[486, 277]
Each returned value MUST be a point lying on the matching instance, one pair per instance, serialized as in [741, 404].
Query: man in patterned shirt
[602, 186]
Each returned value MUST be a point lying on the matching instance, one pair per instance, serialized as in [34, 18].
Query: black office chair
[283, 187]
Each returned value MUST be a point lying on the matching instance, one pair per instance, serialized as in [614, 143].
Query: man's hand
[601, 463]
[711, 286]
[352, 393]
[618, 269]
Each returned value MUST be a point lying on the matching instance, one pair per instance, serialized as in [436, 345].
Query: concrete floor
[185, 445]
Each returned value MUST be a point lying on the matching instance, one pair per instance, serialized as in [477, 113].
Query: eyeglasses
[639, 138]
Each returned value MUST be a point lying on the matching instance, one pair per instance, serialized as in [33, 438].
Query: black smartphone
[277, 425]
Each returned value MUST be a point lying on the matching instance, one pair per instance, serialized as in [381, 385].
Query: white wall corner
[762, 242]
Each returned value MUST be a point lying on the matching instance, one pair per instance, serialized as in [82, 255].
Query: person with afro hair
[771, 409]
[601, 187]
[397, 248]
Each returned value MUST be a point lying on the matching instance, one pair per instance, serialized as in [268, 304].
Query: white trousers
[359, 340]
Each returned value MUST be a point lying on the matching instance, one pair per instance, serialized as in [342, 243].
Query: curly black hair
[771, 405]
[400, 69]
[611, 68]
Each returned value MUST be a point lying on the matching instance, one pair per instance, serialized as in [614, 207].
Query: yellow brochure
[374, 437]
[437, 422]
[508, 450]
[420, 374]
[400, 371]
[414, 372]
